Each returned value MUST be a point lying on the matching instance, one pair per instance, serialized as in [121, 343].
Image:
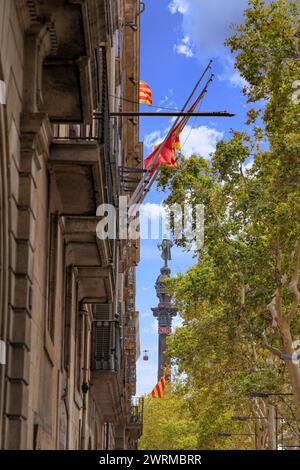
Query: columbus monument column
[165, 311]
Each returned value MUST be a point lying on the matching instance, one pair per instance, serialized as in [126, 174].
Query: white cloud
[247, 166]
[184, 48]
[208, 23]
[177, 322]
[237, 80]
[179, 6]
[164, 100]
[231, 74]
[152, 139]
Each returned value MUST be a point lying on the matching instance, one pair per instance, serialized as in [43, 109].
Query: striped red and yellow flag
[145, 94]
[159, 388]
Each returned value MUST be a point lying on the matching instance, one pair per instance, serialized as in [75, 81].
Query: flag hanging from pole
[166, 156]
[145, 94]
[159, 388]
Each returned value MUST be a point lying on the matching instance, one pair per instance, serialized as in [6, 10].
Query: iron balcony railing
[103, 126]
[106, 351]
[76, 132]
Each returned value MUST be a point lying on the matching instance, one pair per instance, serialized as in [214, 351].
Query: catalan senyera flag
[159, 388]
[145, 94]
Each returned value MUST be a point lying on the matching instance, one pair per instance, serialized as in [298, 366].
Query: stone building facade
[68, 325]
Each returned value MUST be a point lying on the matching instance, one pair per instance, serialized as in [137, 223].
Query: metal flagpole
[140, 186]
[154, 175]
[149, 183]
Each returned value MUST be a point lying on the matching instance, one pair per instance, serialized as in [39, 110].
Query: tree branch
[261, 413]
[243, 176]
[272, 308]
[293, 287]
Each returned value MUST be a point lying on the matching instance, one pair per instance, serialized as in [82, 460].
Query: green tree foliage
[168, 423]
[182, 420]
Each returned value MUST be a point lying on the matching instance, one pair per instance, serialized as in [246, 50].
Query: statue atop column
[165, 248]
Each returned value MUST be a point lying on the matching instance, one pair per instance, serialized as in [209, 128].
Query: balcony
[106, 346]
[106, 368]
[135, 425]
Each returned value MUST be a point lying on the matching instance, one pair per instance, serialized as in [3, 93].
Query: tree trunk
[260, 436]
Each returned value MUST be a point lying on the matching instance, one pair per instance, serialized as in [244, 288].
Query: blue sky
[178, 38]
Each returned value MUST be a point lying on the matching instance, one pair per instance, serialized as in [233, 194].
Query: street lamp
[246, 418]
[290, 357]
